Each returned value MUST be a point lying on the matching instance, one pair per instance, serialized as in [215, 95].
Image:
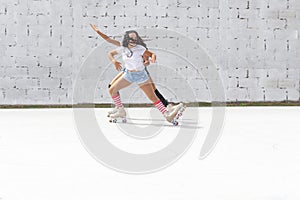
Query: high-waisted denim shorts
[138, 77]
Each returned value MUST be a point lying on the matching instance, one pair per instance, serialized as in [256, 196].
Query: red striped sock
[117, 101]
[160, 106]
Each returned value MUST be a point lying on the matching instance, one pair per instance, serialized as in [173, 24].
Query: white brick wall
[254, 43]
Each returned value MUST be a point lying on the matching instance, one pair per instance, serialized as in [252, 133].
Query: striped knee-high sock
[160, 106]
[117, 101]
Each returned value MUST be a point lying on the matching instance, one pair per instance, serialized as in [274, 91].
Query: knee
[111, 91]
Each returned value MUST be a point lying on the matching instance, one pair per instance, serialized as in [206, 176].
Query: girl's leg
[169, 106]
[115, 109]
[149, 91]
[151, 82]
[157, 93]
[115, 79]
[114, 90]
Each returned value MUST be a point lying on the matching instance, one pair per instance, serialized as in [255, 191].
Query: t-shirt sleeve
[142, 50]
[120, 49]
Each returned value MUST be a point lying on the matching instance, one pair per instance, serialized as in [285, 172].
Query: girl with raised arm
[132, 55]
[146, 57]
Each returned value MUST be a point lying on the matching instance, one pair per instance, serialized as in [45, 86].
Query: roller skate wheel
[113, 120]
[178, 115]
[175, 123]
[124, 120]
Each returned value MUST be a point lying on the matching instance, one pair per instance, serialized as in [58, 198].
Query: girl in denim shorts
[135, 56]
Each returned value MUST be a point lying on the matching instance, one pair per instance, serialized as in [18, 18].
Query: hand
[94, 27]
[117, 65]
[146, 63]
[153, 58]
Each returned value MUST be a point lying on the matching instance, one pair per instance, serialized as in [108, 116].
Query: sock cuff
[115, 96]
[157, 102]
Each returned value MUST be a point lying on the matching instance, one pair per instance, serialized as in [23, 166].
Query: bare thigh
[116, 78]
[118, 85]
[148, 89]
[152, 82]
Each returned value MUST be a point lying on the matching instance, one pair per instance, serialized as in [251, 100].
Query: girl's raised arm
[105, 37]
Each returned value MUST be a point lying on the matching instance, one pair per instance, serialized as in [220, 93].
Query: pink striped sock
[160, 106]
[117, 101]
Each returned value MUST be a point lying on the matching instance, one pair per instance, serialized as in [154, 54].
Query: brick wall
[255, 45]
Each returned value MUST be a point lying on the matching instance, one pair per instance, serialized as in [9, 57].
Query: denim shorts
[138, 77]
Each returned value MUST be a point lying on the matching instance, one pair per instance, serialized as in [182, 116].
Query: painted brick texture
[254, 44]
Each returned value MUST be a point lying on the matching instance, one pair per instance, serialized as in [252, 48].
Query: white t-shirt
[133, 60]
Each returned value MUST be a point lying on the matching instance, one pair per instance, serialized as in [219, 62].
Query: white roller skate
[170, 115]
[112, 111]
[180, 107]
[120, 114]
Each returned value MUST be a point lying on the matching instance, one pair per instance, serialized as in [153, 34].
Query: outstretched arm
[105, 37]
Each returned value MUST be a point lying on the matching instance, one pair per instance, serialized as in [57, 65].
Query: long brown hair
[126, 39]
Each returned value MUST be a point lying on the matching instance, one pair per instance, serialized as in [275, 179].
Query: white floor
[257, 158]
